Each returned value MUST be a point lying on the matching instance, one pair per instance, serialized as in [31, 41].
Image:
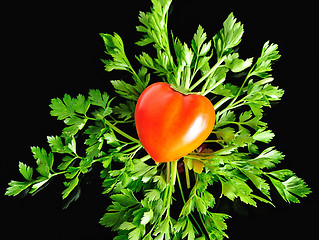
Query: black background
[52, 49]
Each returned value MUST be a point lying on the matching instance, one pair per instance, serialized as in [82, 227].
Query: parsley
[142, 192]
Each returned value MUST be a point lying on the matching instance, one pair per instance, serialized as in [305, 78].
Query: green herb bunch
[143, 192]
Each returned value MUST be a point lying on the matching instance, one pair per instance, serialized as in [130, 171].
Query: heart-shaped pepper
[170, 124]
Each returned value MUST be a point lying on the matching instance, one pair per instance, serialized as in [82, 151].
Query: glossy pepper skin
[170, 124]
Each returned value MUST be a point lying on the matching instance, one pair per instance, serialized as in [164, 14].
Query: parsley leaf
[25, 171]
[229, 37]
[288, 185]
[16, 187]
[62, 109]
[98, 99]
[237, 65]
[119, 212]
[115, 48]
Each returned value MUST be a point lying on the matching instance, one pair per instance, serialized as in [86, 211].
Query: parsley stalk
[174, 171]
[241, 87]
[199, 81]
[183, 198]
[188, 184]
[221, 102]
[116, 129]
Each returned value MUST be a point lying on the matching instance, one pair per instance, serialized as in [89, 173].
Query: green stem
[180, 188]
[145, 158]
[168, 50]
[168, 171]
[132, 148]
[133, 154]
[217, 141]
[183, 198]
[58, 173]
[165, 197]
[234, 105]
[213, 87]
[118, 130]
[168, 191]
[221, 102]
[203, 222]
[241, 88]
[173, 171]
[188, 182]
[187, 77]
[195, 69]
[220, 61]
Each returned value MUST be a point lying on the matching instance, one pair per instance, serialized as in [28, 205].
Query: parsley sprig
[142, 192]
